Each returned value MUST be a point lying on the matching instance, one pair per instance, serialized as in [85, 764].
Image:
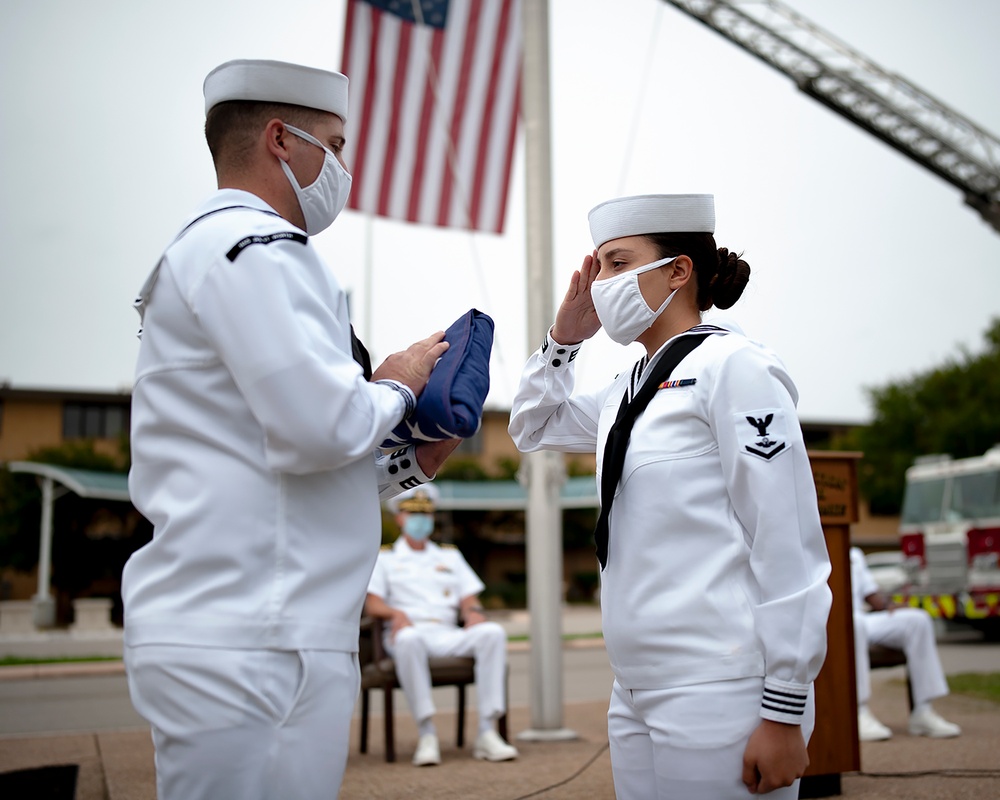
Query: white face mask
[620, 306]
[323, 199]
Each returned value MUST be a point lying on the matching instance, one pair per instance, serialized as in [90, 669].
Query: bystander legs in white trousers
[910, 630]
[485, 642]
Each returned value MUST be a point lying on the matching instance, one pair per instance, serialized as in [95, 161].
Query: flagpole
[542, 472]
[369, 285]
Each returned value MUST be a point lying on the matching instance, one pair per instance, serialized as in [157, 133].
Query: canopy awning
[84, 482]
[579, 492]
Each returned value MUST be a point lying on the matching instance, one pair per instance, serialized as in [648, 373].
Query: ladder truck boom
[886, 105]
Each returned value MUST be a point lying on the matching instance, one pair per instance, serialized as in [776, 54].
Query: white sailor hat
[418, 500]
[277, 82]
[652, 213]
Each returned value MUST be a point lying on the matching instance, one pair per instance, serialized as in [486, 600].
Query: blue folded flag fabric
[451, 405]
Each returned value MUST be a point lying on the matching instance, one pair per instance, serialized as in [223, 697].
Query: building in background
[31, 419]
[93, 538]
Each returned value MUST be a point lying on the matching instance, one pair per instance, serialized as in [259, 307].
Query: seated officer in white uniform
[423, 590]
[908, 629]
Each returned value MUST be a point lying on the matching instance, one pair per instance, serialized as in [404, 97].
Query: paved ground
[85, 720]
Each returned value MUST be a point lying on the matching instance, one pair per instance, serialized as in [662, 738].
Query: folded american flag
[451, 405]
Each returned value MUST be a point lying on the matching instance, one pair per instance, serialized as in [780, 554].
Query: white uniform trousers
[687, 743]
[485, 642]
[910, 630]
[245, 724]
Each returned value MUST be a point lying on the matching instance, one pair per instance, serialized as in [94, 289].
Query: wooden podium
[834, 747]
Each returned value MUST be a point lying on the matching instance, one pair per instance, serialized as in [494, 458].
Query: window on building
[94, 420]
[114, 421]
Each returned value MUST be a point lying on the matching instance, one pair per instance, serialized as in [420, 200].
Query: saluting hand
[413, 366]
[576, 319]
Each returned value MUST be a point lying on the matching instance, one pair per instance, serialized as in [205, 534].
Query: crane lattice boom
[887, 106]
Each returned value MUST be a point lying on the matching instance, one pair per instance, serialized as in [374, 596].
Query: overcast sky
[866, 267]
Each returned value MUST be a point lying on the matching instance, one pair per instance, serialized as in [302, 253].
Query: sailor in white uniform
[254, 433]
[424, 590]
[714, 568]
[877, 621]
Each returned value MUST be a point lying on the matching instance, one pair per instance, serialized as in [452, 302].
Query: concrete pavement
[84, 719]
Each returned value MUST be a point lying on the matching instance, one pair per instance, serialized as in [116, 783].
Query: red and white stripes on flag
[435, 93]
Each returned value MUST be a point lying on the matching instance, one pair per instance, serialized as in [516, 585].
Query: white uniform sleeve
[543, 416]
[378, 584]
[398, 471]
[752, 410]
[283, 345]
[863, 583]
[469, 582]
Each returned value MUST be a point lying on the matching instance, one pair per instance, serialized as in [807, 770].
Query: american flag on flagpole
[435, 92]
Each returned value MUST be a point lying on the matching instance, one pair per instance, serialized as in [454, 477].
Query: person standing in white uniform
[877, 621]
[255, 429]
[423, 590]
[714, 591]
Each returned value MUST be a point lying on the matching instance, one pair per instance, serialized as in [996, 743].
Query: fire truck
[950, 539]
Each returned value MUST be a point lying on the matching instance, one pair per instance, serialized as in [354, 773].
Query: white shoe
[927, 722]
[870, 729]
[428, 751]
[491, 747]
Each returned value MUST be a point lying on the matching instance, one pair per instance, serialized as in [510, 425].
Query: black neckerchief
[618, 437]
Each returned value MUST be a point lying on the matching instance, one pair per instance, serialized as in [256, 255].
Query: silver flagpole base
[553, 735]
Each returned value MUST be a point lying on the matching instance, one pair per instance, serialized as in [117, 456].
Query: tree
[952, 409]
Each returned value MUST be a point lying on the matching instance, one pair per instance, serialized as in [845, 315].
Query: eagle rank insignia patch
[761, 433]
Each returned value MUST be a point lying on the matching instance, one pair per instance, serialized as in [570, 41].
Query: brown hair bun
[727, 285]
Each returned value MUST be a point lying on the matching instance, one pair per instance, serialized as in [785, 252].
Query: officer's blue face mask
[418, 526]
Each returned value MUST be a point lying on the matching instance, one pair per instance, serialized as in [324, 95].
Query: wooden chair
[378, 672]
[880, 657]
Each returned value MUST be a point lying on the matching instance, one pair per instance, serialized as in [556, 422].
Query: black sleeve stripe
[790, 711]
[787, 703]
[779, 695]
[243, 244]
[784, 702]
